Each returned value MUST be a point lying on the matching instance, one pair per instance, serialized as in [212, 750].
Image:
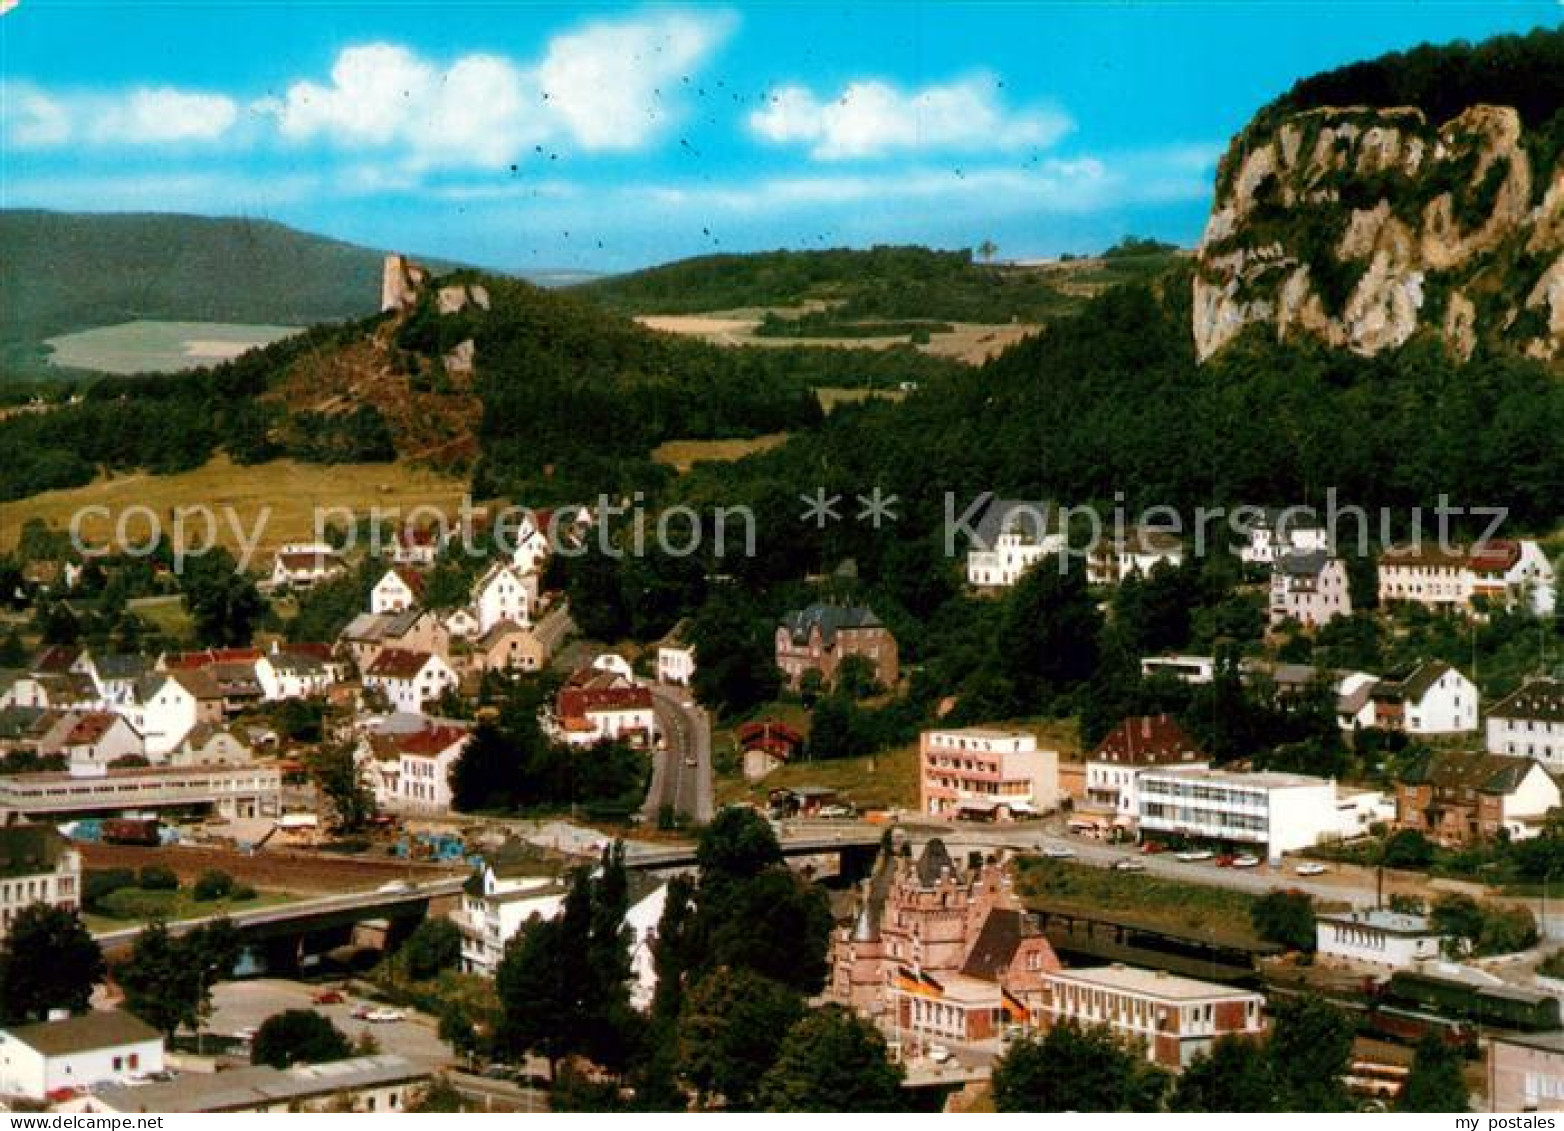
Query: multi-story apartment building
[1526, 1072]
[1530, 723]
[1269, 812]
[37, 865]
[987, 774]
[1309, 587]
[227, 791]
[1173, 1018]
[1498, 572]
[1458, 798]
[1112, 770]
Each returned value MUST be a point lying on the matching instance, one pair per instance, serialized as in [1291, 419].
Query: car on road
[939, 1054]
[1310, 869]
[1129, 864]
[384, 1016]
[691, 760]
[1196, 855]
[1058, 852]
[836, 812]
[1246, 861]
[327, 997]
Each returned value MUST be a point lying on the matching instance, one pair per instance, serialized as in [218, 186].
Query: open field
[130, 906]
[159, 347]
[272, 870]
[290, 490]
[681, 455]
[830, 396]
[1171, 903]
[970, 342]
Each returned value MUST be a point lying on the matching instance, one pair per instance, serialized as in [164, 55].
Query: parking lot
[246, 1004]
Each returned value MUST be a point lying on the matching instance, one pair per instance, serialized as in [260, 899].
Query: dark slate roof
[1411, 684]
[1486, 773]
[830, 619]
[1027, 518]
[107, 1029]
[27, 850]
[121, 665]
[934, 862]
[1302, 563]
[996, 945]
[1541, 699]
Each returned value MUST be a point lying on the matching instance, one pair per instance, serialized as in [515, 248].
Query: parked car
[327, 997]
[836, 811]
[361, 1012]
[1058, 852]
[1246, 861]
[384, 1016]
[1195, 855]
[1225, 860]
[1150, 848]
[1310, 869]
[1129, 864]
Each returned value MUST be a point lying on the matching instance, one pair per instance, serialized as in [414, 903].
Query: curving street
[681, 771]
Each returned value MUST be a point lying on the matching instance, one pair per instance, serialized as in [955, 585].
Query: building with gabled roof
[409, 680]
[598, 706]
[820, 637]
[54, 1059]
[1530, 722]
[1457, 798]
[37, 865]
[410, 770]
[1309, 587]
[398, 589]
[1011, 537]
[1426, 698]
[1113, 769]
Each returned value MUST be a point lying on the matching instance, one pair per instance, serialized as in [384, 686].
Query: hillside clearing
[681, 455]
[160, 347]
[291, 490]
[970, 342]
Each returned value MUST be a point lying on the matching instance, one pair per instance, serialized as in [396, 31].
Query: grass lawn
[283, 492]
[129, 906]
[831, 396]
[1171, 903]
[681, 455]
[167, 615]
[888, 779]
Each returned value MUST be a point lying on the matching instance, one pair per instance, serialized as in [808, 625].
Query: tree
[48, 960]
[832, 1060]
[168, 982]
[728, 1033]
[776, 923]
[1234, 1076]
[212, 885]
[486, 773]
[297, 1036]
[735, 660]
[1310, 1049]
[1437, 1082]
[435, 945]
[222, 599]
[1071, 1068]
[739, 844]
[341, 779]
[563, 983]
[1285, 917]
[987, 250]
[439, 1095]
[1407, 848]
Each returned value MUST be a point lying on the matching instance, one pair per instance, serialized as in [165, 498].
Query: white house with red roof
[409, 680]
[398, 590]
[1138, 744]
[597, 706]
[301, 566]
[410, 771]
[503, 594]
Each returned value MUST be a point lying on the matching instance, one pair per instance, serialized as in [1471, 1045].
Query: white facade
[1186, 669]
[392, 593]
[1534, 580]
[1013, 553]
[1530, 723]
[1277, 812]
[1296, 534]
[282, 676]
[675, 664]
[1359, 810]
[503, 594]
[411, 690]
[1448, 706]
[1311, 589]
[980, 771]
[492, 915]
[1387, 940]
[164, 716]
[78, 1053]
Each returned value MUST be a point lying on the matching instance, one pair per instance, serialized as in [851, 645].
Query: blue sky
[606, 137]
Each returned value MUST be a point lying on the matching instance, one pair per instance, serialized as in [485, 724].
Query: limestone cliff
[1361, 227]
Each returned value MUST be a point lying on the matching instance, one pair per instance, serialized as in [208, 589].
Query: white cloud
[163, 115]
[873, 118]
[150, 116]
[602, 86]
[29, 118]
[611, 83]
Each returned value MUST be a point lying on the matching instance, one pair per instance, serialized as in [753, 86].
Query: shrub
[157, 877]
[100, 883]
[212, 885]
[242, 893]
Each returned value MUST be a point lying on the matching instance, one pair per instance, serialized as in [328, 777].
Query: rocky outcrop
[1361, 227]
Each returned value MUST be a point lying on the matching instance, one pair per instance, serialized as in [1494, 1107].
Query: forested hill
[880, 283]
[61, 272]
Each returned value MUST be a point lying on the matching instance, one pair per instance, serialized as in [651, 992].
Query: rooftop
[1390, 922]
[111, 1028]
[1150, 983]
[261, 1085]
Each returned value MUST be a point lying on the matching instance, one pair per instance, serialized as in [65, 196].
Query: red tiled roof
[56, 658]
[89, 728]
[190, 661]
[1147, 740]
[398, 663]
[578, 702]
[768, 731]
[1496, 556]
[410, 578]
[317, 650]
[432, 740]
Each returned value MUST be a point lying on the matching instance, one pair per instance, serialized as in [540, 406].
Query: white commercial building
[77, 1054]
[985, 773]
[1274, 812]
[1388, 940]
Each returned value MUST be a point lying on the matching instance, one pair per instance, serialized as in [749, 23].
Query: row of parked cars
[1187, 856]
